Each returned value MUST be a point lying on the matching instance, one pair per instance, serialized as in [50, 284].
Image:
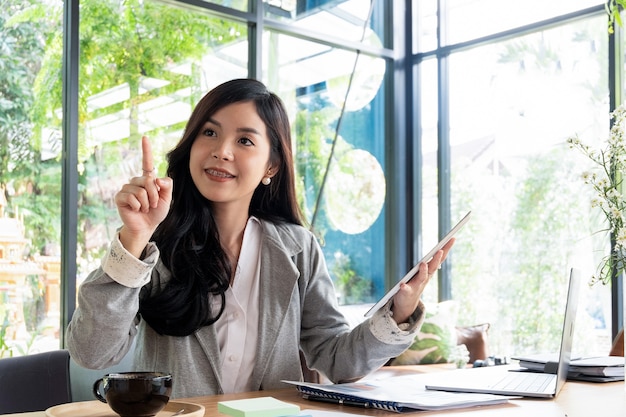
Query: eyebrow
[240, 129]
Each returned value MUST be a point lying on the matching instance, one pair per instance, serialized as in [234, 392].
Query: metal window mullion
[400, 212]
[443, 170]
[443, 146]
[69, 176]
[255, 40]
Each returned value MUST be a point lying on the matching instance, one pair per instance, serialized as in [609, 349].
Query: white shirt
[238, 327]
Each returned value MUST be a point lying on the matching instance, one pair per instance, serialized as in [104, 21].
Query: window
[509, 118]
[341, 173]
[493, 100]
[30, 186]
[140, 77]
[477, 18]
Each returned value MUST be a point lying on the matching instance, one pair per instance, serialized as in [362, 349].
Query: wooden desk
[576, 399]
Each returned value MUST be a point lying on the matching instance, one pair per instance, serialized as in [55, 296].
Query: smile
[218, 173]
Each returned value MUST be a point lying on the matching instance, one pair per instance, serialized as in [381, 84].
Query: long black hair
[188, 238]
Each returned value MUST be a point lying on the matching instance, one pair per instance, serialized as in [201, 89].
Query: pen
[339, 401]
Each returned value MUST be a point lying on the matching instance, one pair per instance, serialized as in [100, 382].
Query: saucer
[99, 409]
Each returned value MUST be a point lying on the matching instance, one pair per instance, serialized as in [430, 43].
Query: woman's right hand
[143, 204]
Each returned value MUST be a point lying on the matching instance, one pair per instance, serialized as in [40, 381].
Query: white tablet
[414, 270]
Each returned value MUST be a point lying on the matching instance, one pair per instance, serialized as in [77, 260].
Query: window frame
[403, 160]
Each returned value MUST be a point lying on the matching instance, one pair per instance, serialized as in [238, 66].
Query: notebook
[502, 380]
[414, 270]
[581, 368]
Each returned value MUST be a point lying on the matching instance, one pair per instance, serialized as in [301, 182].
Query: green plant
[352, 287]
[613, 9]
[606, 181]
[33, 303]
[23, 172]
[5, 349]
[123, 43]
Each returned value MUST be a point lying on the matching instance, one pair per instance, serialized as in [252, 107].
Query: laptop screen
[571, 307]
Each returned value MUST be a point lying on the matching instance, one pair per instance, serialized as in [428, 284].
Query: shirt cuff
[385, 328]
[127, 270]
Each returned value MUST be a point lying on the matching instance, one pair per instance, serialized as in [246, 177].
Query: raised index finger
[147, 163]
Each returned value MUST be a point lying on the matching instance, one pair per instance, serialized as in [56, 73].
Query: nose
[222, 151]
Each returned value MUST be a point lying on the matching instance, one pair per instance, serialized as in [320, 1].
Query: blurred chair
[34, 382]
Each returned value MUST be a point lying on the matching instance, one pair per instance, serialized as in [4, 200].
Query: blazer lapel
[207, 337]
[279, 276]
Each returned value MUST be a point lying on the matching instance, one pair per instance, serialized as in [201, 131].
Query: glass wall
[339, 154]
[470, 19]
[496, 96]
[428, 100]
[509, 106]
[143, 78]
[142, 67]
[30, 178]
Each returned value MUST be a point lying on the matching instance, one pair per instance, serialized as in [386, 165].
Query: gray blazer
[298, 311]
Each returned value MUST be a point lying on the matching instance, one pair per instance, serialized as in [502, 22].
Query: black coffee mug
[135, 394]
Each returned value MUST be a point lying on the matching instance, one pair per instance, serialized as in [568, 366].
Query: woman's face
[231, 154]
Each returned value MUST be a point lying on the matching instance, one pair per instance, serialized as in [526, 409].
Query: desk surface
[576, 399]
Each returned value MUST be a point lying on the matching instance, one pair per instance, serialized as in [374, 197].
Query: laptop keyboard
[524, 382]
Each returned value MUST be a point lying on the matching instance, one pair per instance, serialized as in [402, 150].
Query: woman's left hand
[406, 300]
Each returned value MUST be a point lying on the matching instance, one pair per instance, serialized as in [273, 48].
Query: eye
[246, 141]
[209, 132]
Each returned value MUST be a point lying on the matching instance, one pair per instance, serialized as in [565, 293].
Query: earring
[266, 180]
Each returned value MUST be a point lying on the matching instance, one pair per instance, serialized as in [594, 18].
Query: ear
[271, 171]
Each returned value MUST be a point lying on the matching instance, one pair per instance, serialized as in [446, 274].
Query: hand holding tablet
[414, 270]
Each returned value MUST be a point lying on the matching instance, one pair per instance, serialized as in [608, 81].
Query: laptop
[503, 380]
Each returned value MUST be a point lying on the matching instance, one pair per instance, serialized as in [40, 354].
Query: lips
[219, 173]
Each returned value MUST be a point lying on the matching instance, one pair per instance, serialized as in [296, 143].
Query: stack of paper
[598, 369]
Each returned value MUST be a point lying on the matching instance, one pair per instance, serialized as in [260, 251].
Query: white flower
[606, 181]
[596, 202]
[613, 193]
[620, 238]
[616, 214]
[603, 183]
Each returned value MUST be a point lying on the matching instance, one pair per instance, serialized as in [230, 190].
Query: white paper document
[401, 393]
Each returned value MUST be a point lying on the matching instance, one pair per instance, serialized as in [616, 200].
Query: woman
[213, 273]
